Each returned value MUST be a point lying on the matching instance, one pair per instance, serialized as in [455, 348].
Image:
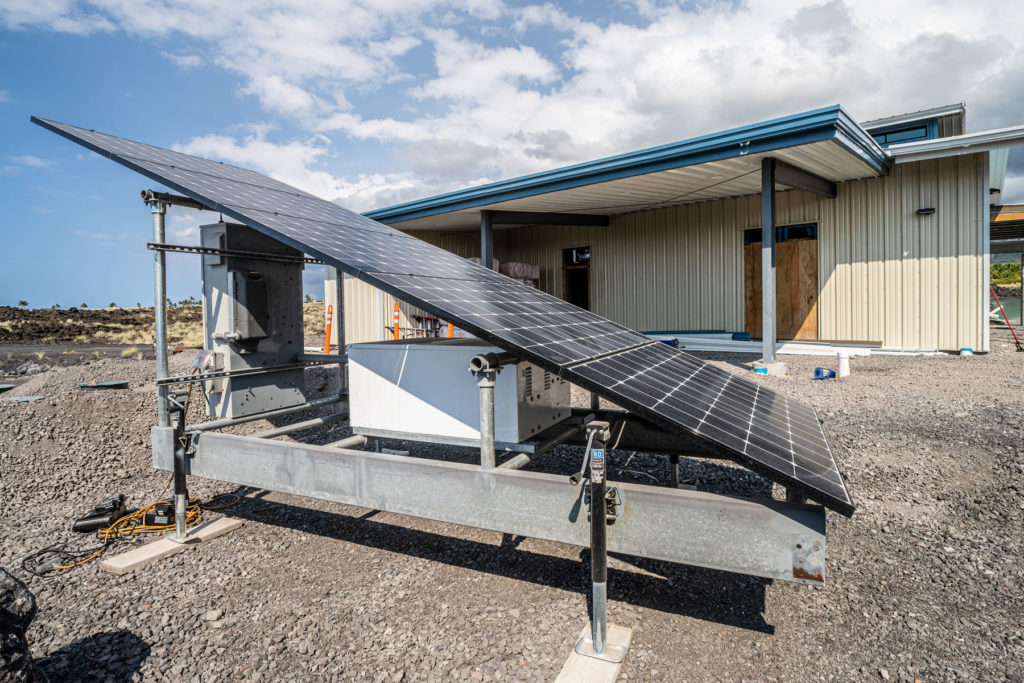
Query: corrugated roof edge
[804, 128]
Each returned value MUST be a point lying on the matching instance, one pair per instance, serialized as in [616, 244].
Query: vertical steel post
[180, 485]
[595, 401]
[768, 331]
[598, 546]
[486, 240]
[485, 379]
[159, 211]
[674, 461]
[339, 325]
[597, 645]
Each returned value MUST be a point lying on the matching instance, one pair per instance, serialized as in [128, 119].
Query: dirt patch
[924, 582]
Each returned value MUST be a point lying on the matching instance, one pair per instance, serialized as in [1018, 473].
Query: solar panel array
[779, 438]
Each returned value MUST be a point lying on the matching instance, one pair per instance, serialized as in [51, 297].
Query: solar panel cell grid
[780, 438]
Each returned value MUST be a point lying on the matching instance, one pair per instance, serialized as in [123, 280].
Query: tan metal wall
[369, 312]
[677, 268]
[885, 274]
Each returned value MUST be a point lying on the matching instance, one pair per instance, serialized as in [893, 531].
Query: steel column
[159, 211]
[180, 486]
[768, 330]
[485, 379]
[339, 325]
[486, 239]
[597, 645]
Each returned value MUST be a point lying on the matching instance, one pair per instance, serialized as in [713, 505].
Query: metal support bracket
[758, 537]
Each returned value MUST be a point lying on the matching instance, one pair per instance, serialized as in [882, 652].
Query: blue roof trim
[798, 129]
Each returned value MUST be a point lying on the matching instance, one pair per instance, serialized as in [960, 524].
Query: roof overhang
[971, 143]
[825, 143]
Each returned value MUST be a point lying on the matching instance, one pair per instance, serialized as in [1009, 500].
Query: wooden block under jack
[165, 547]
[590, 669]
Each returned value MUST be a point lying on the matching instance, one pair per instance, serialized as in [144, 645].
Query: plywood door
[796, 289]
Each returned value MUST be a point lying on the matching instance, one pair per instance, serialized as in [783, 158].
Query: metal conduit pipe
[521, 460]
[353, 441]
[307, 424]
[491, 361]
[228, 422]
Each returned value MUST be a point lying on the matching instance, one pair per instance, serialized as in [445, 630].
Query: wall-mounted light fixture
[926, 211]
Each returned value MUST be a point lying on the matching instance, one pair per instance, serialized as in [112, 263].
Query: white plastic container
[844, 364]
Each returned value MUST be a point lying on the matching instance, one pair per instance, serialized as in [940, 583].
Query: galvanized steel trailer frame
[758, 537]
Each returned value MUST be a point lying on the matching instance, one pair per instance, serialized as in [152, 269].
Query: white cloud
[281, 97]
[460, 92]
[183, 224]
[293, 163]
[5, 96]
[33, 161]
[186, 62]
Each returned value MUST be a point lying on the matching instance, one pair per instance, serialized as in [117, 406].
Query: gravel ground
[924, 582]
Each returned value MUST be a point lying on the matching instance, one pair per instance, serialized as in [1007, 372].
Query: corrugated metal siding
[951, 125]
[672, 268]
[369, 313]
[885, 274]
[889, 275]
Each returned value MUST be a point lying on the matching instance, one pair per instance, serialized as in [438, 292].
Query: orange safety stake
[396, 320]
[327, 334]
[451, 330]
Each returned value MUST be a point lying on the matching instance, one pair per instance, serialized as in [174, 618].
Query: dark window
[576, 276]
[576, 256]
[784, 233]
[891, 137]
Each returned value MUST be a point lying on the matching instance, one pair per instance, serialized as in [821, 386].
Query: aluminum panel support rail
[762, 538]
[210, 251]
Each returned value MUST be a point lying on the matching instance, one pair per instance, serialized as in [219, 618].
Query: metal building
[878, 233]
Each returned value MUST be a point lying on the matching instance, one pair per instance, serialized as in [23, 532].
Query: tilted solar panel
[763, 430]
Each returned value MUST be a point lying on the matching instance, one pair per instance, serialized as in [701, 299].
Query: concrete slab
[582, 669]
[776, 369]
[165, 547]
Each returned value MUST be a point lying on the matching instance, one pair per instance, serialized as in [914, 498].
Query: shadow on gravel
[108, 656]
[704, 594]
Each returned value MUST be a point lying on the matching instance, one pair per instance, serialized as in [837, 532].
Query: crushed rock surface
[924, 581]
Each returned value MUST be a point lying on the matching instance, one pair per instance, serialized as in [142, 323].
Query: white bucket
[844, 364]
[966, 351]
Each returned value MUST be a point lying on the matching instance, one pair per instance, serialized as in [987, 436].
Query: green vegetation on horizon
[1004, 273]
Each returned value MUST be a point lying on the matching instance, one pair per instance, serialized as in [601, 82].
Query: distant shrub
[1004, 273]
[23, 303]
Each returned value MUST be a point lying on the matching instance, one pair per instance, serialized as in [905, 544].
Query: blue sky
[373, 103]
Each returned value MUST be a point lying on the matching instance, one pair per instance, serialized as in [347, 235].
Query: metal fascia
[971, 143]
[790, 131]
[859, 142]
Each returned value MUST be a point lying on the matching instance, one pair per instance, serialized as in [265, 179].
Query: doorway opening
[576, 276]
[796, 281]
